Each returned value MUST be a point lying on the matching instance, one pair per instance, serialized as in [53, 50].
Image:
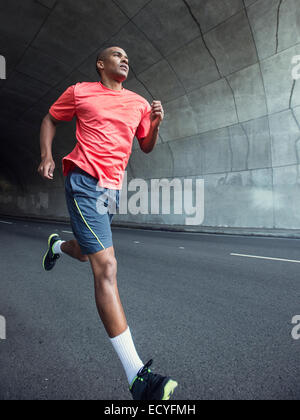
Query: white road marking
[265, 258]
[66, 231]
[136, 242]
[6, 223]
[181, 247]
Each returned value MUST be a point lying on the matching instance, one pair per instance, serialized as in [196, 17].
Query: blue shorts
[91, 209]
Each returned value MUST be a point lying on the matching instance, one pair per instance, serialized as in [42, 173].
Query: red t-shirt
[107, 122]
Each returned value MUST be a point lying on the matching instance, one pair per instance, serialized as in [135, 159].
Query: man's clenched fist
[46, 168]
[157, 114]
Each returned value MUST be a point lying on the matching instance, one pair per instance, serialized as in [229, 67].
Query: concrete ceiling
[49, 45]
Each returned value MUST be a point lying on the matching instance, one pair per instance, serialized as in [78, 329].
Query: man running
[108, 118]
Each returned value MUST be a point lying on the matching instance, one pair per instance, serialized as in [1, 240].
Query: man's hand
[46, 168]
[157, 114]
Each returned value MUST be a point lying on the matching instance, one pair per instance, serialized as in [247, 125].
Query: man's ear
[100, 65]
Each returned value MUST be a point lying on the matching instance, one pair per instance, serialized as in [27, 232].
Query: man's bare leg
[72, 249]
[104, 266]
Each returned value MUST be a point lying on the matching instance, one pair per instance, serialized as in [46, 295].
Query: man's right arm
[64, 109]
[48, 131]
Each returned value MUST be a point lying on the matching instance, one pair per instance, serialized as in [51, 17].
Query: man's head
[113, 63]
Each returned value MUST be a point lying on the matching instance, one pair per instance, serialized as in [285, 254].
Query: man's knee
[106, 270]
[110, 268]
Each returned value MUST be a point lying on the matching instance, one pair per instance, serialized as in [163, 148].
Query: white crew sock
[124, 346]
[57, 247]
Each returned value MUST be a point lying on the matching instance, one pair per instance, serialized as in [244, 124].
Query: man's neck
[112, 84]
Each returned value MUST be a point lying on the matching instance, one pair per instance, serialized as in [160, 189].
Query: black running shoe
[150, 386]
[50, 258]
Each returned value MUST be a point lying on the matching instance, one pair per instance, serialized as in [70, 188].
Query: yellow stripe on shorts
[88, 225]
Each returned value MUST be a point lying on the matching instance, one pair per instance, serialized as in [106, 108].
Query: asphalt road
[219, 324]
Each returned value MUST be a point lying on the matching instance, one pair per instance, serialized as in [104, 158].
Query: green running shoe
[50, 258]
[150, 386]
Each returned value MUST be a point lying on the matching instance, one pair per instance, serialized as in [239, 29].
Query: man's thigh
[90, 220]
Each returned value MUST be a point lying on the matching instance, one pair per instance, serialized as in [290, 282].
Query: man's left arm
[157, 115]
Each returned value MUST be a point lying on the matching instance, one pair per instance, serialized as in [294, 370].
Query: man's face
[115, 64]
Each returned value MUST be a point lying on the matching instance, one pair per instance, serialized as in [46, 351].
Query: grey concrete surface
[223, 70]
[221, 325]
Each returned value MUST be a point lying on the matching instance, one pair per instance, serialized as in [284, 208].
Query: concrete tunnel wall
[223, 70]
